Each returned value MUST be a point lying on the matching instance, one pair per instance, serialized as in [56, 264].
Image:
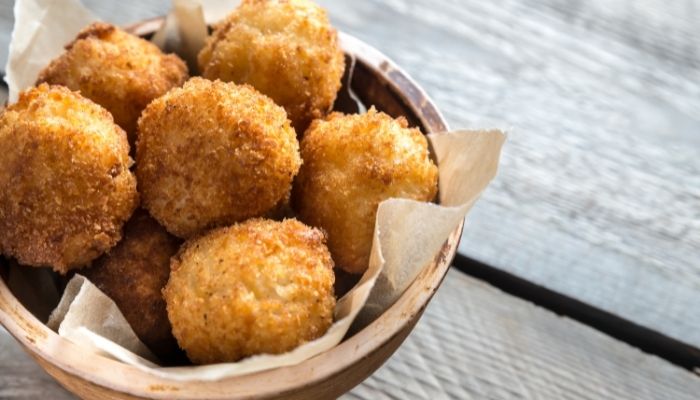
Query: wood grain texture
[474, 342]
[500, 347]
[598, 195]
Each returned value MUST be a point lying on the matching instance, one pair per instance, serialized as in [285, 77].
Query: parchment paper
[184, 32]
[408, 234]
[70, 320]
[42, 28]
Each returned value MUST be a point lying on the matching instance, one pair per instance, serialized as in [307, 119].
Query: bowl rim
[47, 347]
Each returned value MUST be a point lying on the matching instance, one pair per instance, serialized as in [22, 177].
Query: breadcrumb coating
[116, 70]
[211, 153]
[256, 287]
[66, 189]
[133, 274]
[286, 49]
[351, 164]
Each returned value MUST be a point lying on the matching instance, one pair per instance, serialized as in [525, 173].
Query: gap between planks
[647, 340]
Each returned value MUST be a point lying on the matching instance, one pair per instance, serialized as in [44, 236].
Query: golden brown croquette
[133, 275]
[286, 49]
[211, 153]
[256, 287]
[116, 70]
[66, 189]
[351, 164]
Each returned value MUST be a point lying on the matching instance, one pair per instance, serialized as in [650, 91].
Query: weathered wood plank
[602, 165]
[477, 342]
[474, 342]
[598, 196]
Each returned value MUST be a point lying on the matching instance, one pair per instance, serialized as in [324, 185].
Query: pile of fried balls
[213, 210]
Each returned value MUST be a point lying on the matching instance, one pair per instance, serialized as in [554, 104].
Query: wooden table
[595, 213]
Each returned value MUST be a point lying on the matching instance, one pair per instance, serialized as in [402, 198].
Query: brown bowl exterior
[376, 81]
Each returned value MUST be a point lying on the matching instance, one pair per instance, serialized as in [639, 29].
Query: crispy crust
[256, 287]
[64, 178]
[351, 164]
[133, 275]
[117, 70]
[211, 153]
[285, 49]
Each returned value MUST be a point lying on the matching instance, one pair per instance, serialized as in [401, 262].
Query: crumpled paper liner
[184, 32]
[408, 234]
[69, 320]
[42, 28]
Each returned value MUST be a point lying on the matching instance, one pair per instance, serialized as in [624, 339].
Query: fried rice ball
[65, 185]
[211, 153]
[286, 49]
[133, 274]
[351, 164]
[257, 287]
[116, 70]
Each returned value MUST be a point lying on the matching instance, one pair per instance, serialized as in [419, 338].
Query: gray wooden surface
[473, 342]
[598, 196]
